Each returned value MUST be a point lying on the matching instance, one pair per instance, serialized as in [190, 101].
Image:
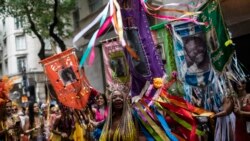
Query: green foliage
[41, 13]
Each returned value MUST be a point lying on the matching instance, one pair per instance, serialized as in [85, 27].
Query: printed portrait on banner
[115, 64]
[69, 82]
[67, 75]
[193, 60]
[196, 55]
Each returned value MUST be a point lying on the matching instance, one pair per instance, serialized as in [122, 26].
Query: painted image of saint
[196, 55]
[67, 75]
[118, 67]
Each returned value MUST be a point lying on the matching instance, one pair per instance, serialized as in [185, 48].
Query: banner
[115, 63]
[164, 45]
[216, 35]
[191, 52]
[68, 81]
[148, 65]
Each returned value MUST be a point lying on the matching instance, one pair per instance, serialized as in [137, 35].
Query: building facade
[19, 59]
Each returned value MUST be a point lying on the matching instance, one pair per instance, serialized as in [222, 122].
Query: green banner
[216, 35]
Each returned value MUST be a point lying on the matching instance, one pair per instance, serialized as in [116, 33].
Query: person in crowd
[226, 107]
[79, 132]
[63, 126]
[196, 54]
[225, 119]
[242, 111]
[23, 115]
[34, 125]
[101, 111]
[46, 118]
[120, 124]
[10, 127]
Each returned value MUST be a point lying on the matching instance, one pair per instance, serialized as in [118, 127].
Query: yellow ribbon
[157, 129]
[228, 42]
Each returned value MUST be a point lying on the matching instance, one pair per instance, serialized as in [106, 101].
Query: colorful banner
[164, 45]
[148, 65]
[115, 64]
[216, 35]
[191, 52]
[68, 81]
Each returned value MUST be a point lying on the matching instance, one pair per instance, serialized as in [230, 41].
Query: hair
[31, 114]
[104, 97]
[3, 112]
[197, 40]
[235, 84]
[126, 128]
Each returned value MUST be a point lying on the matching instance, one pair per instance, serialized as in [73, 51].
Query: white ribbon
[83, 31]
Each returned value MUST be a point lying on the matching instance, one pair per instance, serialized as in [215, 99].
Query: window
[76, 18]
[6, 65]
[4, 25]
[94, 5]
[47, 44]
[20, 43]
[19, 22]
[21, 63]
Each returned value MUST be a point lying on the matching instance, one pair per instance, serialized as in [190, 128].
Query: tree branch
[52, 28]
[41, 53]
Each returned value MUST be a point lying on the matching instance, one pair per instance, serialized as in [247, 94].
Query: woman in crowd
[34, 124]
[101, 111]
[63, 126]
[10, 127]
[120, 124]
[242, 111]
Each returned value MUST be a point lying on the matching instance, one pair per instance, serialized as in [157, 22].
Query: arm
[237, 109]
[244, 113]
[26, 127]
[3, 131]
[227, 107]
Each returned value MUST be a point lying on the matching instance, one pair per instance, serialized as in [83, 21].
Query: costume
[99, 116]
[241, 122]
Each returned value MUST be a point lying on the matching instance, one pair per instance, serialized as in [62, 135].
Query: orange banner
[69, 83]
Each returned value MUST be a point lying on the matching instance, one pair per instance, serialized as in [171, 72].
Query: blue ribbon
[145, 132]
[164, 125]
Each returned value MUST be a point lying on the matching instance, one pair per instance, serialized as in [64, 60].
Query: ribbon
[165, 125]
[83, 31]
[160, 8]
[100, 32]
[171, 18]
[119, 25]
[189, 6]
[148, 129]
[152, 123]
[184, 104]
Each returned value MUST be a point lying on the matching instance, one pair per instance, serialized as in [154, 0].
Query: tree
[47, 19]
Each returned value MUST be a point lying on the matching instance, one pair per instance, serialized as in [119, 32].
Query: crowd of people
[104, 119]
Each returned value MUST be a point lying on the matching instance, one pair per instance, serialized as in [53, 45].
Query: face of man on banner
[67, 75]
[196, 54]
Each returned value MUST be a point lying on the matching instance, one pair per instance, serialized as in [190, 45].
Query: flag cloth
[115, 63]
[216, 34]
[68, 81]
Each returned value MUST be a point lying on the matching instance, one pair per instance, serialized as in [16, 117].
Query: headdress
[6, 85]
[118, 87]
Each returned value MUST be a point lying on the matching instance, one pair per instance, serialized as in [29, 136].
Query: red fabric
[240, 130]
[70, 83]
